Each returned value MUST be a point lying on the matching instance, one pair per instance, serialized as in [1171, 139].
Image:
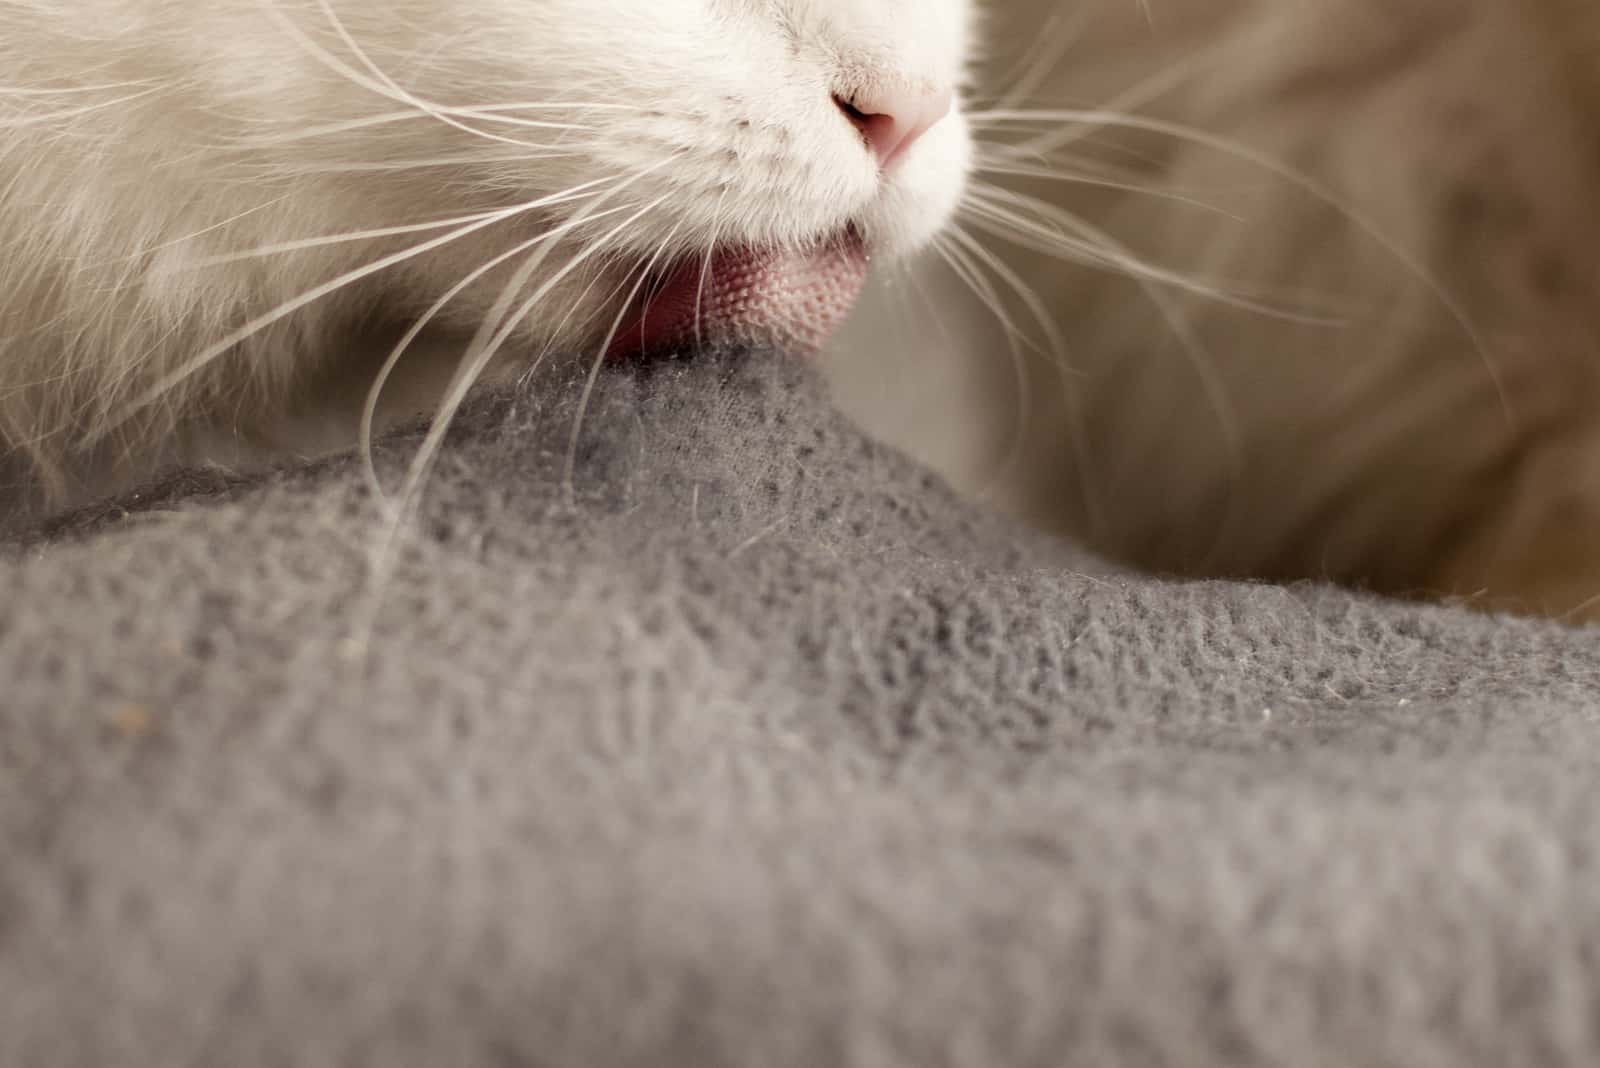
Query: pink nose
[892, 120]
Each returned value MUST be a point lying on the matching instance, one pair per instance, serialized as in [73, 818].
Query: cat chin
[789, 299]
[920, 197]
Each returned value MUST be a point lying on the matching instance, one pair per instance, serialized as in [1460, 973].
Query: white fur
[160, 159]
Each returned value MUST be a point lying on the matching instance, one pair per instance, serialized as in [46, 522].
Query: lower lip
[789, 300]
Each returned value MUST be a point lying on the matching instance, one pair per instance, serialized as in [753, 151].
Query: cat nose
[893, 119]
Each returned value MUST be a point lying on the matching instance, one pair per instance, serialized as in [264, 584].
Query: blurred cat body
[1341, 323]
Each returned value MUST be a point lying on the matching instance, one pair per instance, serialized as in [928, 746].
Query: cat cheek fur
[763, 156]
[176, 171]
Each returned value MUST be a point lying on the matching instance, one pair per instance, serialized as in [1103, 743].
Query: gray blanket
[749, 744]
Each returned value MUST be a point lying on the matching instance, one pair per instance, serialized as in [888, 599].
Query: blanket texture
[728, 737]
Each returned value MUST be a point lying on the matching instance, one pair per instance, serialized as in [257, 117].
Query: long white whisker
[1302, 181]
[1183, 331]
[498, 325]
[494, 113]
[189, 367]
[1053, 42]
[370, 407]
[376, 81]
[1162, 82]
[302, 244]
[1030, 298]
[144, 253]
[387, 118]
[570, 473]
[1013, 227]
[300, 169]
[483, 349]
[1051, 174]
[963, 267]
[399, 93]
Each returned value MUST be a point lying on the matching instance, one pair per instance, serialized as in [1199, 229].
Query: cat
[239, 228]
[1303, 293]
[1318, 290]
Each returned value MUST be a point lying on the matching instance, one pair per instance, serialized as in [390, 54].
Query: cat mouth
[787, 299]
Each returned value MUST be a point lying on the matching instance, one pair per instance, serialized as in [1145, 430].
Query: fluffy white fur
[173, 175]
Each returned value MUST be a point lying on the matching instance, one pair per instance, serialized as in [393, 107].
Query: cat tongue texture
[790, 300]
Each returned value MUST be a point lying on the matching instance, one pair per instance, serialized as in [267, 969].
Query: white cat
[1331, 313]
[219, 219]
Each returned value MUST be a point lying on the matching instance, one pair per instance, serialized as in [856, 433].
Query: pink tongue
[790, 300]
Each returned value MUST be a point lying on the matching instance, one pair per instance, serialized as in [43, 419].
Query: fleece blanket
[716, 734]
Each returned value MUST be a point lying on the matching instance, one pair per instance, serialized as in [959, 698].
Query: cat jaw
[178, 167]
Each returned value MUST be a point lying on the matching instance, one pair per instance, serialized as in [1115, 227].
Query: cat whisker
[495, 113]
[423, 163]
[497, 327]
[961, 261]
[1154, 288]
[579, 192]
[1128, 170]
[964, 270]
[986, 294]
[501, 322]
[569, 474]
[1109, 252]
[566, 105]
[1054, 40]
[1029, 297]
[389, 87]
[144, 253]
[369, 122]
[561, 324]
[171, 380]
[376, 80]
[1089, 248]
[1054, 174]
[635, 109]
[1299, 179]
[462, 165]
[374, 393]
[1142, 93]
